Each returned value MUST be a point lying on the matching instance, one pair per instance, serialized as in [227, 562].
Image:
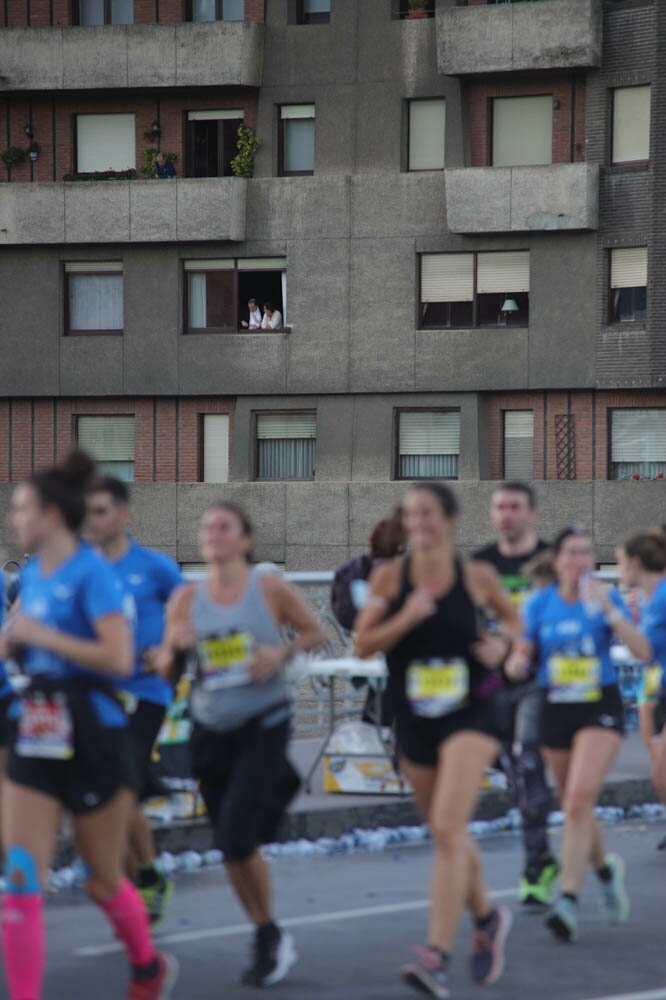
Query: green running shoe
[537, 883]
[157, 898]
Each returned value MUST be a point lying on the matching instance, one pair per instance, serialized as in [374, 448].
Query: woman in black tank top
[423, 614]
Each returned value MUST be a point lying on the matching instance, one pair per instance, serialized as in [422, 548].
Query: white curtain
[287, 458]
[638, 443]
[197, 300]
[429, 466]
[95, 301]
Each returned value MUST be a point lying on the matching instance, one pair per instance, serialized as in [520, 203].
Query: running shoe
[563, 919]
[429, 973]
[157, 898]
[274, 954]
[537, 883]
[156, 982]
[486, 955]
[613, 898]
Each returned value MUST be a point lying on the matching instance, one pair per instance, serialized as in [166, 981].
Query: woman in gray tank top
[233, 621]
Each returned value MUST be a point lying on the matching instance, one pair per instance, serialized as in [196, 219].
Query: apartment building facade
[457, 214]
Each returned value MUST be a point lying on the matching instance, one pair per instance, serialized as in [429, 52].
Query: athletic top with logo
[432, 671]
[510, 569]
[653, 625]
[5, 685]
[224, 697]
[149, 578]
[71, 599]
[573, 645]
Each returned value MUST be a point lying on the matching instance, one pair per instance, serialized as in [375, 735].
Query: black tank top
[444, 638]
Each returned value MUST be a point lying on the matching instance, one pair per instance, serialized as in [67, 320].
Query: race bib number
[574, 678]
[652, 683]
[45, 728]
[225, 662]
[437, 688]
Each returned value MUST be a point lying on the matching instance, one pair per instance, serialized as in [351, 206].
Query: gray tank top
[223, 696]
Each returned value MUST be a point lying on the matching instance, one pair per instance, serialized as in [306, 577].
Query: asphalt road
[354, 918]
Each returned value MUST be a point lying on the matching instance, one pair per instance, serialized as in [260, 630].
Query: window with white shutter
[628, 285]
[426, 134]
[215, 447]
[105, 142]
[286, 445]
[518, 444]
[94, 297]
[631, 124]
[474, 289]
[522, 131]
[428, 444]
[638, 444]
[110, 441]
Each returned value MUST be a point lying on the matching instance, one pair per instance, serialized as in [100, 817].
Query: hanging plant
[12, 156]
[242, 164]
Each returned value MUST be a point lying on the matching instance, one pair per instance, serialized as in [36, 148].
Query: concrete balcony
[534, 35]
[123, 211]
[217, 54]
[560, 197]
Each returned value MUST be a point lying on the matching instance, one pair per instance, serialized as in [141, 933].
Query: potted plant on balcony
[248, 143]
[12, 156]
[418, 9]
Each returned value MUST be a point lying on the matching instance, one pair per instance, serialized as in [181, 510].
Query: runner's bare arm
[179, 635]
[111, 652]
[375, 633]
[487, 591]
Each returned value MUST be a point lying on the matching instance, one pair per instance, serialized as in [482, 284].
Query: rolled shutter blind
[105, 142]
[522, 131]
[428, 433]
[209, 265]
[282, 426]
[262, 264]
[629, 267]
[94, 267]
[447, 277]
[108, 439]
[426, 134]
[503, 272]
[213, 116]
[631, 124]
[297, 111]
[638, 436]
[518, 444]
[216, 447]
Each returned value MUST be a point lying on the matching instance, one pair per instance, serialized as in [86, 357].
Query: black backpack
[342, 604]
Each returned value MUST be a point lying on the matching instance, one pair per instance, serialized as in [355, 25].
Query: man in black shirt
[513, 517]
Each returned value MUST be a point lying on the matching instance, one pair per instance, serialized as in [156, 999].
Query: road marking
[649, 995]
[233, 930]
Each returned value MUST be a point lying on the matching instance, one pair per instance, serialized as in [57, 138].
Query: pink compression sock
[24, 944]
[127, 913]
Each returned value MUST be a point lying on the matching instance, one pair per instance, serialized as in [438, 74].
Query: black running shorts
[419, 739]
[561, 722]
[7, 725]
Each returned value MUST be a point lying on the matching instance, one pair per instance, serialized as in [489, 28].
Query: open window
[218, 293]
[212, 142]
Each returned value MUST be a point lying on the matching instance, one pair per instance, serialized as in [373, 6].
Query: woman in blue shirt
[569, 627]
[71, 749]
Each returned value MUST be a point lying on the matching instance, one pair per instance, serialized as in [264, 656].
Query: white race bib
[438, 687]
[45, 728]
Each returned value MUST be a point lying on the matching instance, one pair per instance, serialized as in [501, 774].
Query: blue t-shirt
[5, 686]
[72, 599]
[572, 644]
[148, 578]
[653, 626]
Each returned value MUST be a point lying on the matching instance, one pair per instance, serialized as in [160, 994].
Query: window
[428, 444]
[518, 444]
[426, 134]
[105, 142]
[94, 297]
[286, 445]
[313, 11]
[212, 142]
[631, 124]
[217, 293]
[215, 447]
[628, 285]
[522, 131]
[297, 139]
[217, 10]
[97, 12]
[412, 8]
[637, 443]
[475, 289]
[110, 440]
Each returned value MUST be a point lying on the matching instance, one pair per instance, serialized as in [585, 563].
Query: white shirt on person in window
[255, 319]
[273, 322]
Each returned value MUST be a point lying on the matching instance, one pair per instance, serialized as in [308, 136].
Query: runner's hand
[266, 662]
[21, 630]
[517, 666]
[151, 659]
[419, 606]
[490, 650]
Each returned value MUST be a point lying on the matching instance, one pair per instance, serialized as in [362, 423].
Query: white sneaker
[613, 898]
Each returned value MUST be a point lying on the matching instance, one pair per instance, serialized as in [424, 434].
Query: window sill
[434, 479]
[210, 332]
[94, 333]
[631, 167]
[467, 329]
[627, 327]
[310, 479]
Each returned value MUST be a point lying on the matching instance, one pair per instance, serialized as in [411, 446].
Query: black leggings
[246, 782]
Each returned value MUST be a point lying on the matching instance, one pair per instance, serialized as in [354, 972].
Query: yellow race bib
[437, 688]
[574, 679]
[225, 660]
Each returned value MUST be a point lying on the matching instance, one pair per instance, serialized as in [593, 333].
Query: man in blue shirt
[148, 579]
[164, 169]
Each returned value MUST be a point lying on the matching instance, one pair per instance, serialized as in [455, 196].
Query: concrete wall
[551, 34]
[219, 54]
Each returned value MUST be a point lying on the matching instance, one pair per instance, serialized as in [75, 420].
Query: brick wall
[166, 433]
[478, 97]
[52, 13]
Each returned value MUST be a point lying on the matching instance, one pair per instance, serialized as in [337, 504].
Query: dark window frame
[255, 436]
[76, 14]
[282, 122]
[396, 441]
[302, 17]
[523, 409]
[238, 329]
[621, 164]
[609, 434]
[475, 325]
[67, 332]
[610, 320]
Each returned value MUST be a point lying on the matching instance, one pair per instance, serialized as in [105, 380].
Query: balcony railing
[123, 211]
[529, 35]
[560, 197]
[219, 53]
